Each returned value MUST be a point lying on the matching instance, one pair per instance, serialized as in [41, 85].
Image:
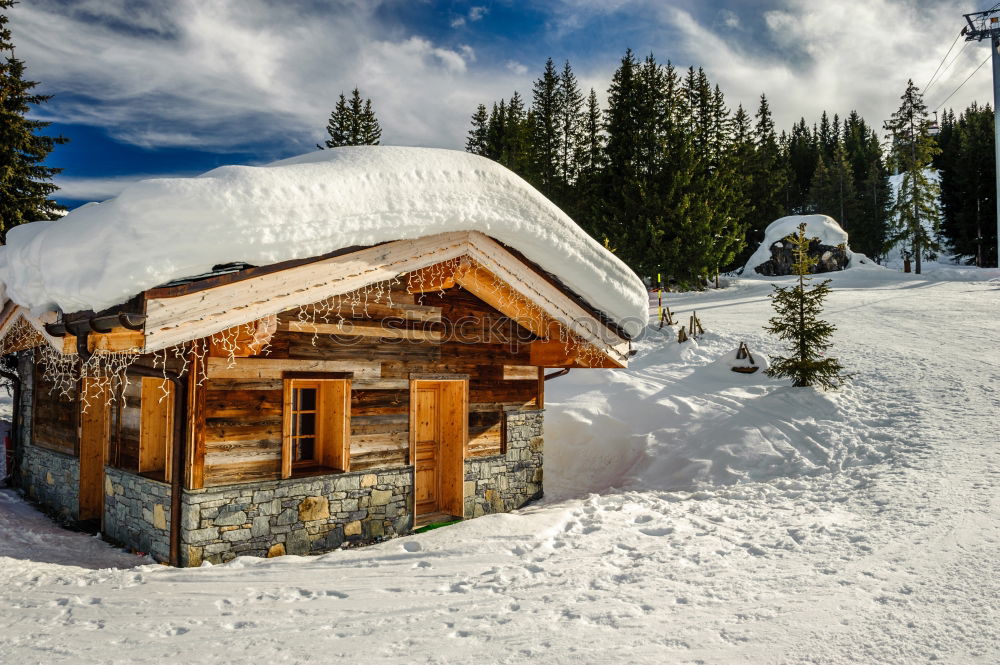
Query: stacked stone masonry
[53, 480]
[137, 512]
[295, 516]
[506, 482]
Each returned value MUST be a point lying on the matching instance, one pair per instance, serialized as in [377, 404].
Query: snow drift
[163, 229]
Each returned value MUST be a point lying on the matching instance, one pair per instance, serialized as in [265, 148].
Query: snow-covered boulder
[827, 243]
[164, 229]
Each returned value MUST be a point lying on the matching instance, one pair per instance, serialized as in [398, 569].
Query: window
[317, 426]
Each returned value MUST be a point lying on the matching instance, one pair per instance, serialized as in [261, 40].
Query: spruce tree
[25, 183]
[515, 144]
[569, 153]
[477, 141]
[916, 209]
[869, 230]
[797, 322]
[352, 122]
[833, 190]
[801, 156]
[769, 177]
[968, 188]
[585, 203]
[546, 111]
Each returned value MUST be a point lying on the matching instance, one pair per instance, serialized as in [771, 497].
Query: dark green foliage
[797, 322]
[672, 181]
[802, 155]
[833, 190]
[916, 208]
[546, 111]
[477, 140]
[870, 228]
[352, 122]
[768, 178]
[968, 185]
[25, 183]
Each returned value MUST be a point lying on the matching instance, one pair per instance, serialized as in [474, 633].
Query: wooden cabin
[298, 407]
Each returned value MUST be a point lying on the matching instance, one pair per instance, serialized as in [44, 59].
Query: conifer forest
[678, 183]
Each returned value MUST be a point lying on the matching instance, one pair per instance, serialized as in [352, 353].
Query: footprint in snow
[239, 625]
[412, 546]
[642, 519]
[658, 531]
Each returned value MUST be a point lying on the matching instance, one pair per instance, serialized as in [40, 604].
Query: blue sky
[146, 88]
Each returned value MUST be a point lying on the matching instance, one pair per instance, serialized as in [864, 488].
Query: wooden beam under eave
[356, 328]
[119, 339]
[553, 353]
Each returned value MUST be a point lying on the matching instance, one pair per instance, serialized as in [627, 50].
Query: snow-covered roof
[823, 227]
[164, 229]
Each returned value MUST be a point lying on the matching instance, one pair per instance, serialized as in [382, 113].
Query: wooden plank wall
[243, 415]
[55, 417]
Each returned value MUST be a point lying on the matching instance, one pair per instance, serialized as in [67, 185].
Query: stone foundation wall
[53, 480]
[295, 516]
[502, 483]
[137, 512]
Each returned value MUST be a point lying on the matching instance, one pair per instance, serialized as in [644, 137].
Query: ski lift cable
[947, 67]
[942, 62]
[964, 82]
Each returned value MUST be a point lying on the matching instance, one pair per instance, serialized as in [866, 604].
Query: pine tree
[769, 177]
[968, 188]
[833, 190]
[515, 144]
[797, 322]
[917, 216]
[569, 154]
[870, 228]
[586, 192]
[496, 130]
[352, 122]
[25, 184]
[801, 156]
[477, 141]
[546, 110]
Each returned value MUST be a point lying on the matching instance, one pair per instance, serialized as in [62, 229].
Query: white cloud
[806, 56]
[226, 74]
[476, 13]
[516, 67]
[458, 22]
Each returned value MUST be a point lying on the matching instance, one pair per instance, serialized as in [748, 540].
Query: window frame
[332, 437]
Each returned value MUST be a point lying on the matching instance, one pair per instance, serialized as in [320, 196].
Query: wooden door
[427, 443]
[93, 451]
[439, 426]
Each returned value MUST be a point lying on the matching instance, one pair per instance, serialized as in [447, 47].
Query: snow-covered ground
[693, 515]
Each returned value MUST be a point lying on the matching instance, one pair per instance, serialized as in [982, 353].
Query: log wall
[243, 409]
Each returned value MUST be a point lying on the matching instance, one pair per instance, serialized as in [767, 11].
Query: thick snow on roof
[163, 229]
[817, 226]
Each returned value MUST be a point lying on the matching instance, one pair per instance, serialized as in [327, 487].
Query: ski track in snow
[732, 519]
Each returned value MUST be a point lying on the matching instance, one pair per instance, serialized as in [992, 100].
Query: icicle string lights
[106, 373]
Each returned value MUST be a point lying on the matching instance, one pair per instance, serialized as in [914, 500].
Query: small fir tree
[797, 322]
[352, 122]
[25, 183]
